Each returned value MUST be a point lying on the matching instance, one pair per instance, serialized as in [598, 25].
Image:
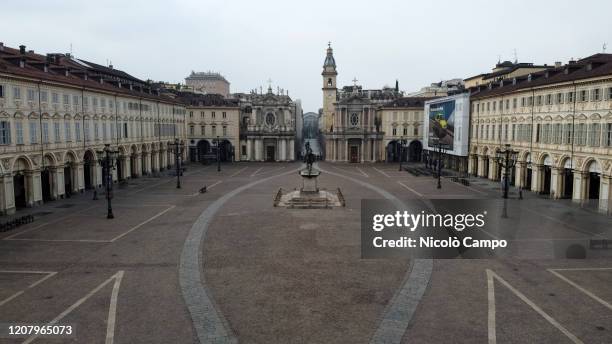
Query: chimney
[110, 66]
[22, 49]
[31, 51]
[557, 64]
[1, 46]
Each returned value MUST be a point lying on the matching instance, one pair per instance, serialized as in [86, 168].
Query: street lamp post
[177, 148]
[218, 155]
[439, 162]
[402, 145]
[507, 159]
[107, 158]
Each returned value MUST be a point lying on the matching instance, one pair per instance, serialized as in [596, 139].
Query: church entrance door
[354, 150]
[270, 153]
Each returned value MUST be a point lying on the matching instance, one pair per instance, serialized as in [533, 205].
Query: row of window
[213, 114]
[203, 130]
[412, 116]
[593, 95]
[415, 131]
[581, 134]
[32, 96]
[100, 132]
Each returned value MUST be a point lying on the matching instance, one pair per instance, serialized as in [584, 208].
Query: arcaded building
[560, 122]
[57, 112]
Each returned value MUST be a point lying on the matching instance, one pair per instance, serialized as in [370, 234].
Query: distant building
[208, 83]
[506, 70]
[211, 117]
[268, 125]
[439, 89]
[352, 129]
[402, 119]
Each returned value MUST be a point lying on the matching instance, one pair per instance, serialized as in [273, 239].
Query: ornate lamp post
[402, 147]
[507, 159]
[439, 161]
[177, 148]
[218, 145]
[107, 158]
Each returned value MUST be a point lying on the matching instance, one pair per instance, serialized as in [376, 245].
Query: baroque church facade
[351, 126]
[268, 126]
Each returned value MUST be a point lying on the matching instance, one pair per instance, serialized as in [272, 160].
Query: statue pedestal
[309, 180]
[309, 185]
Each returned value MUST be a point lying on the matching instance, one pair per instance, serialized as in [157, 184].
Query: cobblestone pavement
[178, 266]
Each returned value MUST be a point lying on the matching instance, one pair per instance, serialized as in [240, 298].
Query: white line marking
[410, 189]
[240, 170]
[272, 170]
[110, 328]
[37, 282]
[142, 224]
[491, 317]
[361, 171]
[96, 240]
[381, 172]
[112, 310]
[254, 173]
[48, 223]
[207, 188]
[346, 171]
[582, 289]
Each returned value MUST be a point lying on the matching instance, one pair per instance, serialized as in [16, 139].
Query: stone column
[138, 166]
[79, 182]
[605, 190]
[537, 177]
[490, 173]
[283, 150]
[556, 182]
[128, 167]
[249, 149]
[258, 149]
[61, 187]
[8, 194]
[346, 150]
[362, 148]
[54, 184]
[580, 186]
[519, 174]
[292, 149]
[33, 188]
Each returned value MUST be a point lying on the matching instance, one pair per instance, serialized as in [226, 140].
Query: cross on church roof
[269, 82]
[355, 81]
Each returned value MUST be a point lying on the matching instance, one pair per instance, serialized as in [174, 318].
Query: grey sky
[251, 41]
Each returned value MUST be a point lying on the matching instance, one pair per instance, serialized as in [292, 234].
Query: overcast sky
[416, 42]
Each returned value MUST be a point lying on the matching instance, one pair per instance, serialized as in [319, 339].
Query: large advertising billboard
[442, 124]
[446, 120]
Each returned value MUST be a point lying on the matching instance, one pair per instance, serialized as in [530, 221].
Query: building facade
[58, 112]
[213, 123]
[351, 127]
[269, 126]
[560, 122]
[208, 83]
[402, 119]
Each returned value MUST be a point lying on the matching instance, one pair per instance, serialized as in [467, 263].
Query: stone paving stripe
[210, 325]
[404, 303]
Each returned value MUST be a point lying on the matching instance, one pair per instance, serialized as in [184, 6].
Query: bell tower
[329, 89]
